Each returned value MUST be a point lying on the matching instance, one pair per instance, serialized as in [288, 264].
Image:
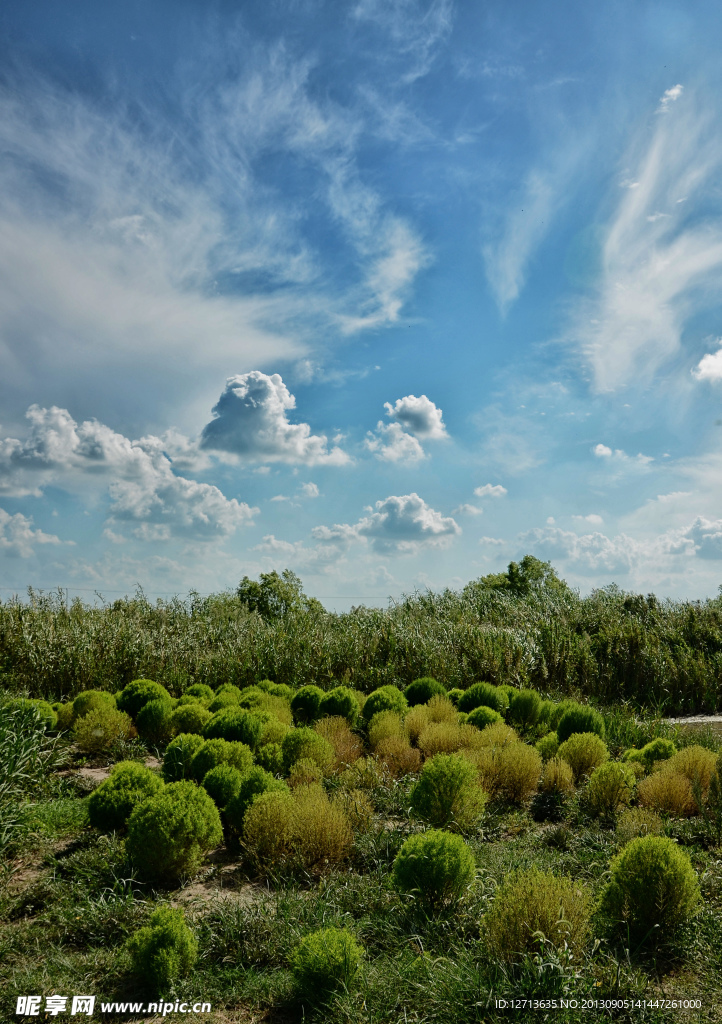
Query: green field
[331, 786]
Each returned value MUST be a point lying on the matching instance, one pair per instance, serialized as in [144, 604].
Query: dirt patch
[212, 890]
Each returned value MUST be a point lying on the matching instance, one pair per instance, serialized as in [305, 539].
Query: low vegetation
[394, 831]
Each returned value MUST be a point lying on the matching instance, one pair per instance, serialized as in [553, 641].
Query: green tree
[274, 596]
[524, 577]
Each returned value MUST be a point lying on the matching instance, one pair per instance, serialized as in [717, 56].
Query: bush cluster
[113, 802]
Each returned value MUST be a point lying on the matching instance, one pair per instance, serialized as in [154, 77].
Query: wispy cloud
[417, 29]
[661, 260]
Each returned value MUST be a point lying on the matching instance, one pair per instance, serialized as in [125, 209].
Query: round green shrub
[656, 750]
[533, 901]
[548, 745]
[113, 802]
[43, 711]
[305, 704]
[236, 724]
[304, 742]
[324, 961]
[583, 751]
[557, 711]
[610, 787]
[189, 718]
[580, 719]
[223, 701]
[154, 721]
[178, 756]
[524, 708]
[508, 692]
[65, 716]
[455, 695]
[448, 793]
[270, 757]
[214, 752]
[422, 690]
[229, 688]
[253, 783]
[169, 834]
[276, 689]
[164, 951]
[341, 702]
[138, 693]
[385, 698]
[222, 783]
[482, 716]
[89, 700]
[483, 695]
[653, 888]
[200, 690]
[437, 867]
[101, 728]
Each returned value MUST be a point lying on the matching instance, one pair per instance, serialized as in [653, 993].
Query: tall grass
[613, 646]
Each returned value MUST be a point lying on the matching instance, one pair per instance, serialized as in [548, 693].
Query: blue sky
[386, 293]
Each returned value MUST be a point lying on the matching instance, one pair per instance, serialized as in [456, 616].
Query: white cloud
[490, 491]
[668, 97]
[656, 271]
[420, 416]
[17, 536]
[398, 524]
[417, 29]
[413, 418]
[251, 422]
[89, 456]
[620, 458]
[467, 510]
[595, 552]
[706, 534]
[309, 490]
[709, 367]
[392, 444]
[593, 519]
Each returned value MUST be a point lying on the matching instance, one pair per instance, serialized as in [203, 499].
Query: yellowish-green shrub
[113, 802]
[398, 756]
[440, 738]
[304, 742]
[435, 867]
[548, 745]
[90, 700]
[637, 821]
[416, 721]
[653, 889]
[357, 807]
[497, 735]
[304, 772]
[383, 725]
[534, 901]
[163, 951]
[557, 777]
[347, 746]
[321, 832]
[696, 764]
[519, 767]
[448, 793]
[667, 792]
[584, 751]
[101, 728]
[365, 773]
[268, 826]
[326, 960]
[441, 709]
[610, 787]
[189, 718]
[273, 731]
[179, 755]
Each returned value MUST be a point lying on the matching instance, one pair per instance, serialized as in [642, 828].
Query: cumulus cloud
[392, 444]
[467, 510]
[18, 538]
[412, 418]
[593, 519]
[139, 477]
[656, 271]
[309, 490]
[398, 524]
[490, 491]
[251, 422]
[420, 416]
[595, 552]
[709, 367]
[706, 535]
